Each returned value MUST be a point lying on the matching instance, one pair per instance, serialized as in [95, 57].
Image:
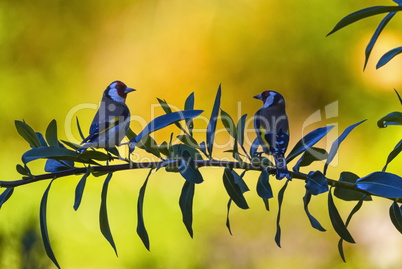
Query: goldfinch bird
[272, 128]
[112, 119]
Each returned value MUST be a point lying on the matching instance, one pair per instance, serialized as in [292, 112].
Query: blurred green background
[57, 55]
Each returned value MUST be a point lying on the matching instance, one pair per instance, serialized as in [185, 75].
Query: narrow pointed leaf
[354, 210]
[337, 222]
[188, 170]
[234, 191]
[186, 205]
[264, 189]
[281, 194]
[309, 156]
[103, 217]
[21, 170]
[393, 154]
[189, 105]
[347, 194]
[316, 183]
[388, 56]
[314, 222]
[395, 213]
[254, 147]
[229, 124]
[375, 36]
[51, 134]
[394, 118]
[5, 195]
[238, 179]
[399, 97]
[43, 226]
[381, 184]
[212, 122]
[27, 133]
[141, 230]
[227, 217]
[363, 13]
[165, 106]
[337, 143]
[308, 141]
[79, 190]
[79, 129]
[240, 129]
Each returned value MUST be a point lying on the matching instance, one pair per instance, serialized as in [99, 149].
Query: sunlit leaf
[394, 118]
[186, 205]
[354, 210]
[316, 183]
[337, 222]
[388, 56]
[337, 143]
[281, 194]
[347, 194]
[212, 122]
[313, 221]
[141, 230]
[79, 190]
[103, 217]
[363, 13]
[382, 184]
[395, 213]
[27, 133]
[51, 134]
[375, 36]
[234, 191]
[43, 226]
[308, 141]
[5, 195]
[393, 154]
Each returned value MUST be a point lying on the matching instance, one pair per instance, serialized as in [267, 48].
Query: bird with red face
[272, 128]
[111, 121]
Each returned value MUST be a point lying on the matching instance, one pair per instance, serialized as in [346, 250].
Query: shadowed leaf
[5, 195]
[347, 194]
[313, 221]
[27, 133]
[229, 124]
[394, 118]
[188, 170]
[51, 134]
[141, 230]
[281, 194]
[388, 57]
[234, 190]
[186, 205]
[79, 190]
[212, 122]
[227, 217]
[103, 217]
[309, 156]
[393, 154]
[395, 213]
[189, 105]
[316, 183]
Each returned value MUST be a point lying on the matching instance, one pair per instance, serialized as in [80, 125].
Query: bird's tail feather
[281, 168]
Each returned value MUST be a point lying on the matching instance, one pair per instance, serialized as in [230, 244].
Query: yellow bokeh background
[57, 57]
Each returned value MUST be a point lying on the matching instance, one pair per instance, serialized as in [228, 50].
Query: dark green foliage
[210, 132]
[264, 189]
[394, 118]
[5, 195]
[79, 190]
[186, 205]
[382, 184]
[395, 212]
[316, 183]
[233, 189]
[314, 222]
[348, 194]
[188, 169]
[103, 218]
[281, 194]
[141, 230]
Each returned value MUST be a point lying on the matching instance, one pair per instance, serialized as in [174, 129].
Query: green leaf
[186, 205]
[189, 105]
[337, 143]
[375, 36]
[50, 153]
[308, 141]
[309, 156]
[229, 124]
[227, 217]
[21, 170]
[130, 134]
[363, 13]
[79, 190]
[388, 56]
[354, 210]
[149, 144]
[5, 195]
[51, 134]
[264, 189]
[103, 218]
[313, 221]
[347, 194]
[164, 148]
[240, 129]
[399, 97]
[394, 118]
[79, 129]
[381, 184]
[337, 221]
[141, 230]
[43, 226]
[316, 183]
[254, 147]
[281, 194]
[188, 140]
[163, 121]
[238, 179]
[212, 122]
[188, 170]
[395, 213]
[234, 190]
[27, 133]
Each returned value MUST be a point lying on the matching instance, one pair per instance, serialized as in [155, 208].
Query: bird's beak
[259, 97]
[129, 90]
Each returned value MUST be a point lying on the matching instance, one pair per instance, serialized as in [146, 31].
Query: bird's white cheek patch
[269, 101]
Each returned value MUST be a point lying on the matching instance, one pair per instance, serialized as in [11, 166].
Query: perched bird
[112, 119]
[272, 128]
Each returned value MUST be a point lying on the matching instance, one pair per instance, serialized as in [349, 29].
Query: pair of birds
[112, 120]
